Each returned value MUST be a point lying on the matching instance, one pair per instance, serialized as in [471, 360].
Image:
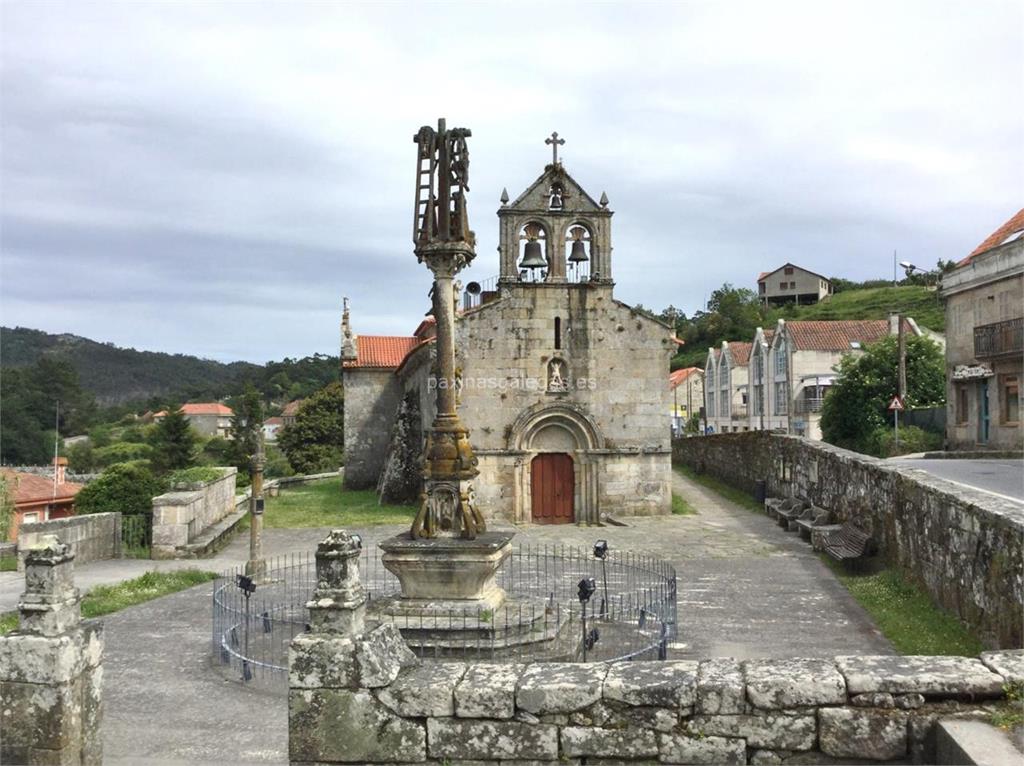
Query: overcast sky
[212, 178]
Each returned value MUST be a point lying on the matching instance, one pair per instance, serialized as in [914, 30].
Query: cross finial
[555, 142]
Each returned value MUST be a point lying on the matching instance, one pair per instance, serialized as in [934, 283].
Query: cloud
[220, 174]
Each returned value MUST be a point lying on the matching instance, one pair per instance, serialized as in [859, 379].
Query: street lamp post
[256, 567]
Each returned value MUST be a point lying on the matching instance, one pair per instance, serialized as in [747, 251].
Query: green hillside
[874, 303]
[115, 375]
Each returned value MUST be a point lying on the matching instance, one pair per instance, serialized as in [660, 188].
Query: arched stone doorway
[564, 480]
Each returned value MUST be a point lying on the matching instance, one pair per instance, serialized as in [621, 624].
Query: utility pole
[901, 336]
[894, 280]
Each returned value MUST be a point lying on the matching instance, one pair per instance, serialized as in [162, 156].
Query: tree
[316, 440]
[246, 427]
[7, 487]
[174, 442]
[125, 487]
[856, 405]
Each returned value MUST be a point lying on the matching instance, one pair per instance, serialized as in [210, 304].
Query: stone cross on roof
[554, 142]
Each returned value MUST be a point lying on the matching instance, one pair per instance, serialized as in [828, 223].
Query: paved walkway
[746, 589]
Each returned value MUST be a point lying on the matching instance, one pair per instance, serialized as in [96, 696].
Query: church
[564, 388]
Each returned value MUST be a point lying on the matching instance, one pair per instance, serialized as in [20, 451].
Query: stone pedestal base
[445, 574]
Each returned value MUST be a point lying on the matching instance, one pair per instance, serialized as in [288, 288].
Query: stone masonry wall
[372, 399]
[368, 700]
[180, 516]
[91, 537]
[964, 546]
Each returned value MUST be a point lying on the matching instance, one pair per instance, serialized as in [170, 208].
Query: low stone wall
[368, 700]
[964, 546]
[357, 694]
[91, 537]
[182, 515]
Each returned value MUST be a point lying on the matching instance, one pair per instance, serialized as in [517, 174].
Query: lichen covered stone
[779, 684]
[664, 684]
[720, 689]
[463, 739]
[773, 731]
[880, 735]
[559, 687]
[930, 676]
[423, 691]
[679, 748]
[488, 690]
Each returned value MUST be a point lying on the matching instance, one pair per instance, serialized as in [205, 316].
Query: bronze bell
[579, 249]
[579, 252]
[533, 256]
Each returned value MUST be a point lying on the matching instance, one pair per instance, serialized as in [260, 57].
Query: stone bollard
[333, 714]
[339, 601]
[50, 668]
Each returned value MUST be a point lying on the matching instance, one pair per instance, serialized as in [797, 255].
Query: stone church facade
[563, 387]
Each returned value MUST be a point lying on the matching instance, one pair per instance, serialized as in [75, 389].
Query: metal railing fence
[633, 610]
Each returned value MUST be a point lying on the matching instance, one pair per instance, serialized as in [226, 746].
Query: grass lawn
[325, 504]
[737, 496]
[906, 615]
[105, 599]
[682, 508]
[8, 564]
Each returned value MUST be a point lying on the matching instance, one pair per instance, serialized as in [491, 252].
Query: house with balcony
[687, 386]
[791, 284]
[725, 388]
[984, 299]
[793, 366]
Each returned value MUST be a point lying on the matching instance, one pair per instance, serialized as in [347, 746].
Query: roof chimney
[60, 468]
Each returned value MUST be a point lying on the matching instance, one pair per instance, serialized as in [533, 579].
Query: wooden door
[552, 485]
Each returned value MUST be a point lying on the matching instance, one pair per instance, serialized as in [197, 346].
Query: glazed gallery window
[1009, 395]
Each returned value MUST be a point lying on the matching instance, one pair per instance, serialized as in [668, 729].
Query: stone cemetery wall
[180, 516]
[964, 546]
[367, 699]
[372, 398]
[51, 675]
[91, 537]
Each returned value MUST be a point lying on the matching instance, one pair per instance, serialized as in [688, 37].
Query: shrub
[81, 458]
[196, 475]
[121, 452]
[882, 442]
[125, 488]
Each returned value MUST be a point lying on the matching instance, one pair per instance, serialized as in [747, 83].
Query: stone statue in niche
[558, 376]
[556, 197]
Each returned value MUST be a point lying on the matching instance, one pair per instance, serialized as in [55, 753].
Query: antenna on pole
[56, 445]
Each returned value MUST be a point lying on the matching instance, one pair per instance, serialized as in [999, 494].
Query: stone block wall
[90, 537]
[367, 699]
[965, 547]
[180, 516]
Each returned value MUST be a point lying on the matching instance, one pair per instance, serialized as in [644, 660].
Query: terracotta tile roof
[740, 352]
[383, 352]
[31, 489]
[206, 408]
[836, 335]
[274, 421]
[678, 376]
[292, 408]
[998, 237]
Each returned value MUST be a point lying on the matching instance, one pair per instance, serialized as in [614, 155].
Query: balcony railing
[999, 338]
[805, 405]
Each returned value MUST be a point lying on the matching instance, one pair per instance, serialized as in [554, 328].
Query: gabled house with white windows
[725, 388]
[793, 366]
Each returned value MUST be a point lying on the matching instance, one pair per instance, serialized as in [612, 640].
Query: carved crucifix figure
[554, 142]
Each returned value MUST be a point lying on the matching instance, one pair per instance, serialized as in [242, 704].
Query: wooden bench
[811, 518]
[848, 543]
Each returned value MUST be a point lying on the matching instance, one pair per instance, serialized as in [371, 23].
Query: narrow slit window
[558, 332]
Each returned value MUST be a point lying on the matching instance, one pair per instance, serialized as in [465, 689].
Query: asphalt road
[1003, 477]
